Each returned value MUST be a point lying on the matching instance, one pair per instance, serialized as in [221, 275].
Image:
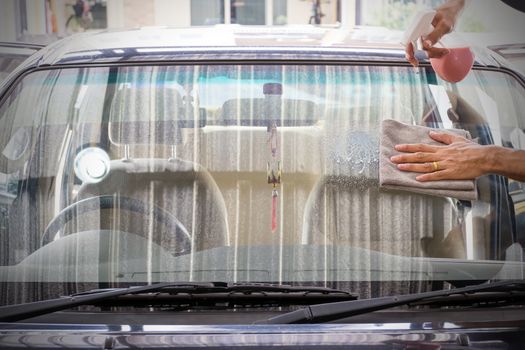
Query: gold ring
[435, 165]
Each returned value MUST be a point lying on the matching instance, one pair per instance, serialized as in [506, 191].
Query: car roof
[233, 42]
[19, 48]
[168, 43]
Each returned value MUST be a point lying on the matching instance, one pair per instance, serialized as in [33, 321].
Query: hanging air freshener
[273, 171]
[273, 92]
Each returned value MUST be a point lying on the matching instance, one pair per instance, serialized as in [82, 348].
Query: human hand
[458, 159]
[443, 23]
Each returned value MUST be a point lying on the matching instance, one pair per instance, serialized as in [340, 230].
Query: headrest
[145, 114]
[137, 174]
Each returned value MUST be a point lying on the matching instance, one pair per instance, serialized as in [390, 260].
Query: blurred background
[488, 23]
[33, 20]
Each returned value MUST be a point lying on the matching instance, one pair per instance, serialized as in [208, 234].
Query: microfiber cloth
[394, 133]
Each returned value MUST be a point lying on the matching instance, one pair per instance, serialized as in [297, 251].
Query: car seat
[144, 130]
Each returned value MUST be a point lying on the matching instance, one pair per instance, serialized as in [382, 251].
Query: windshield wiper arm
[13, 313]
[338, 310]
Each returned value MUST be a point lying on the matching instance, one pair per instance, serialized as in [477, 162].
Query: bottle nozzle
[421, 25]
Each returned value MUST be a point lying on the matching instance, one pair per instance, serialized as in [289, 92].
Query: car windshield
[125, 175]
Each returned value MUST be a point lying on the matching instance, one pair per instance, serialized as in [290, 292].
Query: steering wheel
[174, 226]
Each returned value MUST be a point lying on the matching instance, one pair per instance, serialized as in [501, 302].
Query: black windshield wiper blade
[223, 300]
[338, 310]
[156, 286]
[13, 313]
[225, 287]
[210, 287]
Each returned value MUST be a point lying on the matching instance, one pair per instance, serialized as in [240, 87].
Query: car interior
[195, 178]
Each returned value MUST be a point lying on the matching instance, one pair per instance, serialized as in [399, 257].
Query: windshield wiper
[338, 310]
[177, 293]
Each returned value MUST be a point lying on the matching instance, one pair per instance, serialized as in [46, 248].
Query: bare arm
[459, 159]
[508, 162]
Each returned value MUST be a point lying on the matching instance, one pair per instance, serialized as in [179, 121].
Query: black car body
[239, 168]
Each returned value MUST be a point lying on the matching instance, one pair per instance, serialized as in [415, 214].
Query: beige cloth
[390, 177]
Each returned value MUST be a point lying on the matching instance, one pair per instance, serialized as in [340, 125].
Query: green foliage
[395, 14]
[471, 24]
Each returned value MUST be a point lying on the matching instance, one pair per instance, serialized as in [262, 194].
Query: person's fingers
[417, 157]
[435, 176]
[436, 52]
[437, 18]
[443, 27]
[416, 147]
[410, 55]
[431, 39]
[417, 167]
[409, 50]
[445, 137]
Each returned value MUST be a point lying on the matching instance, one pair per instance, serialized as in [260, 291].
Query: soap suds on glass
[357, 150]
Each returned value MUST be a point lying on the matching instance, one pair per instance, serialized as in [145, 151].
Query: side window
[490, 106]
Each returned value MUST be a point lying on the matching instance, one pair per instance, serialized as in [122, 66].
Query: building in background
[41, 21]
[56, 18]
[131, 13]
[33, 19]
